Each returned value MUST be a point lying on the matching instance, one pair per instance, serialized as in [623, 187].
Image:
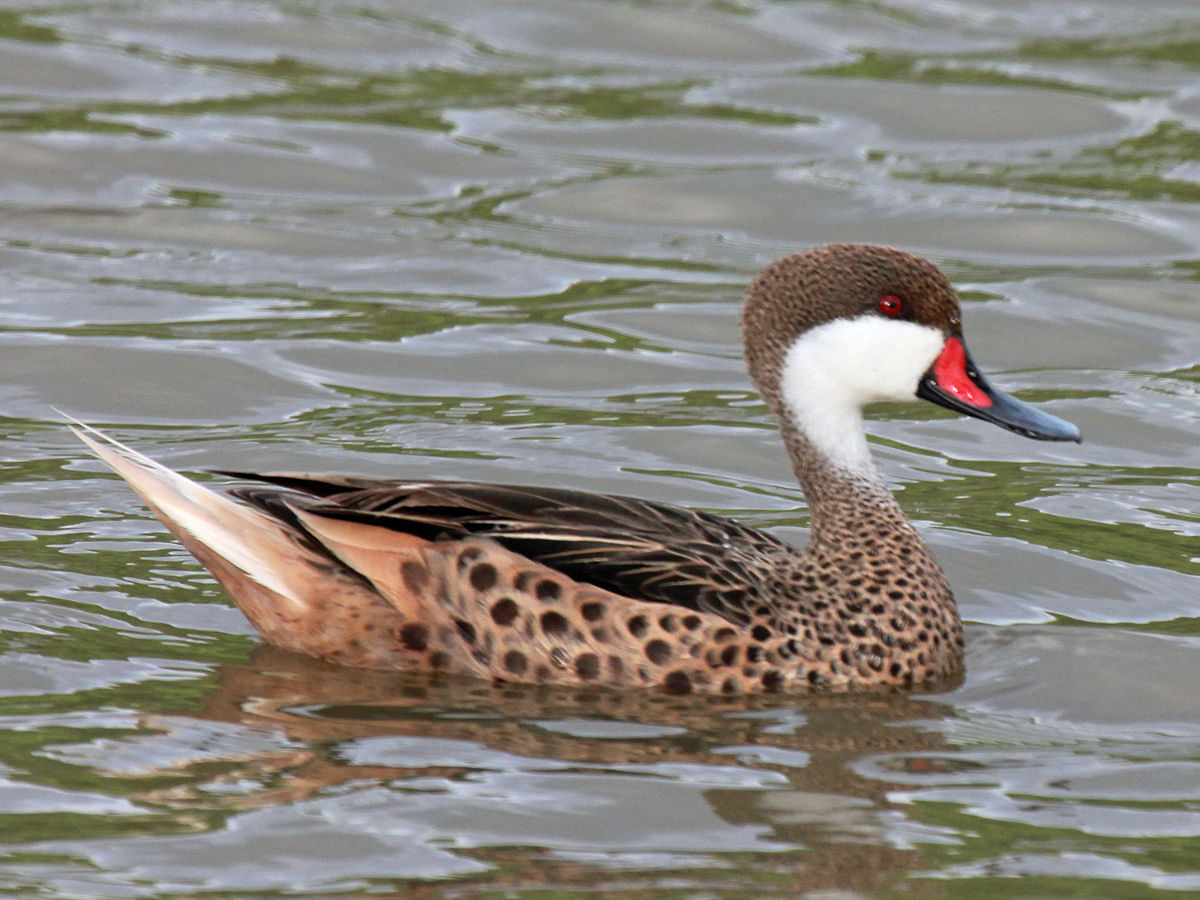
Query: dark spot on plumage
[658, 651]
[587, 666]
[668, 623]
[414, 636]
[678, 682]
[548, 591]
[637, 626]
[592, 611]
[483, 576]
[616, 666]
[415, 576]
[729, 655]
[754, 653]
[760, 632]
[729, 686]
[504, 611]
[515, 662]
[772, 680]
[554, 624]
[691, 623]
[439, 659]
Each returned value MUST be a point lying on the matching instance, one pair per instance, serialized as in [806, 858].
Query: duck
[549, 585]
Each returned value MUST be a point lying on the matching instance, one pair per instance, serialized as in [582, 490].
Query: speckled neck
[840, 498]
[866, 571]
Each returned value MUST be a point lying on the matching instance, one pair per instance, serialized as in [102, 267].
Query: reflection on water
[448, 775]
[507, 242]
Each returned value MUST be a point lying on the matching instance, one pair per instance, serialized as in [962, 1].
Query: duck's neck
[845, 492]
[868, 570]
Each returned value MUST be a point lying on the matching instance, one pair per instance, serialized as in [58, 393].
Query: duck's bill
[954, 382]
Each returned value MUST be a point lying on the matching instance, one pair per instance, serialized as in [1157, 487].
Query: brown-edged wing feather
[635, 548]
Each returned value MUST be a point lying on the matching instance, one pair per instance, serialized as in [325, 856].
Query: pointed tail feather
[241, 536]
[296, 596]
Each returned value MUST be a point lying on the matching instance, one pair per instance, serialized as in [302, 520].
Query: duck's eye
[891, 305]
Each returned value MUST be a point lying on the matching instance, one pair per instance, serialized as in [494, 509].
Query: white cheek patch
[832, 371]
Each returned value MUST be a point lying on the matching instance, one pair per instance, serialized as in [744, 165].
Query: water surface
[508, 241]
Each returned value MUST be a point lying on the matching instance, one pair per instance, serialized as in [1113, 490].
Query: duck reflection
[783, 770]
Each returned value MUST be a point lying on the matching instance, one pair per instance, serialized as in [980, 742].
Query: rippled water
[508, 241]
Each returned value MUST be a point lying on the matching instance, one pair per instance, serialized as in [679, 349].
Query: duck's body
[547, 585]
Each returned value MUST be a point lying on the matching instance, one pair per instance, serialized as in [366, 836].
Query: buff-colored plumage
[546, 585]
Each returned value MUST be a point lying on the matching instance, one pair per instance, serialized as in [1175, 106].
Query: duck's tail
[296, 595]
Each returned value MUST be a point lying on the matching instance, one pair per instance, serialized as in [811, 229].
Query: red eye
[891, 305]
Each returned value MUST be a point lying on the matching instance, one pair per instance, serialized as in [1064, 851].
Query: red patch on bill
[950, 370]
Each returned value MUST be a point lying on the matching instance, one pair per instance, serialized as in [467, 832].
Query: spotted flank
[547, 585]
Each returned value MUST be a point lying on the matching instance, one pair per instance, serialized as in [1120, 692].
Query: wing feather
[637, 548]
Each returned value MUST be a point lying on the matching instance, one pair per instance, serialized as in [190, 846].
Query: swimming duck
[535, 584]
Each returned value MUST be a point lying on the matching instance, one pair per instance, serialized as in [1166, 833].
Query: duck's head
[834, 328]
